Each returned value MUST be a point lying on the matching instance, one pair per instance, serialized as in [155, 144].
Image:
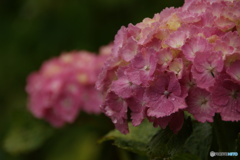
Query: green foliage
[165, 143]
[185, 156]
[199, 142]
[225, 134]
[136, 141]
[75, 143]
[192, 142]
[26, 136]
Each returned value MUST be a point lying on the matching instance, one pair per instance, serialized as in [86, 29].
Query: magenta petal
[116, 108]
[134, 76]
[142, 67]
[199, 105]
[194, 45]
[231, 113]
[122, 127]
[220, 96]
[123, 88]
[226, 99]
[176, 39]
[177, 121]
[174, 85]
[129, 50]
[234, 70]
[165, 57]
[137, 118]
[160, 108]
[206, 68]
[137, 106]
[161, 122]
[178, 102]
[107, 73]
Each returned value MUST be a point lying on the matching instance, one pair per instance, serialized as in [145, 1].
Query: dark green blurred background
[32, 31]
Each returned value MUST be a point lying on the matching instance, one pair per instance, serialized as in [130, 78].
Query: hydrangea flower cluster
[183, 59]
[65, 85]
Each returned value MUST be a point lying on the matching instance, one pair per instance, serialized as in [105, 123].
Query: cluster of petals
[184, 59]
[65, 85]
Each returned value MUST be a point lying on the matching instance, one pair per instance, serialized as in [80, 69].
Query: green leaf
[136, 141]
[165, 143]
[226, 133]
[199, 142]
[26, 135]
[73, 143]
[185, 156]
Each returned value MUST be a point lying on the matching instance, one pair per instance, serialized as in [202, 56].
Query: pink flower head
[171, 63]
[199, 106]
[64, 86]
[226, 99]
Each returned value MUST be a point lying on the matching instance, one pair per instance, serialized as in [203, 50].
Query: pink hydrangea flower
[199, 106]
[116, 108]
[64, 86]
[165, 57]
[165, 96]
[234, 70]
[174, 121]
[176, 66]
[194, 45]
[123, 87]
[172, 62]
[226, 98]
[206, 67]
[143, 67]
[138, 107]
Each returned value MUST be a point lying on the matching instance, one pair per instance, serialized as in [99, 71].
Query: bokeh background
[32, 31]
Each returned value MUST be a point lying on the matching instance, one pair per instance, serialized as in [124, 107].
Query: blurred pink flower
[65, 85]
